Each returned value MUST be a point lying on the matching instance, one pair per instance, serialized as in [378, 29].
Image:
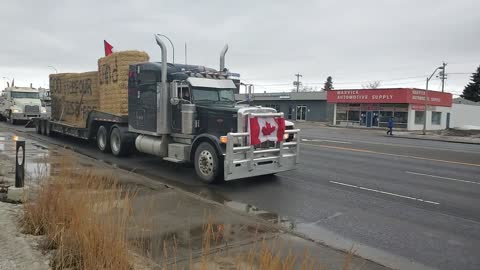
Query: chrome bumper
[25, 116]
[246, 161]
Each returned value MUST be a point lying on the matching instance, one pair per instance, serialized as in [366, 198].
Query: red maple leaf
[267, 129]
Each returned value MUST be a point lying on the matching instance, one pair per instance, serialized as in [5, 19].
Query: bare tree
[371, 85]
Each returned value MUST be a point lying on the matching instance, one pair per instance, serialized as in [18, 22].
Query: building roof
[460, 100]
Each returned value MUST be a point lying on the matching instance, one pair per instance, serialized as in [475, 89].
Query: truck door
[183, 93]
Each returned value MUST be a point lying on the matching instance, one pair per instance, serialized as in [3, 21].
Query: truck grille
[35, 109]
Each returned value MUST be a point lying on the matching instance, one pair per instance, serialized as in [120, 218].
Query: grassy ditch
[86, 217]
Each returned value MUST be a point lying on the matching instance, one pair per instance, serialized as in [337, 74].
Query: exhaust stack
[163, 122]
[222, 57]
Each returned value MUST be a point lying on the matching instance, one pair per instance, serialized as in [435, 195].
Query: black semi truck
[186, 113]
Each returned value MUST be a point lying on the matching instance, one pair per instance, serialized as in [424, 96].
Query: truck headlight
[43, 110]
[15, 110]
[285, 136]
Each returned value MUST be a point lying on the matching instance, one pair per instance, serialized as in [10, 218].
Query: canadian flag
[266, 129]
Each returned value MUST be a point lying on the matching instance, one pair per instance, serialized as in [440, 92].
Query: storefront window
[401, 119]
[436, 118]
[419, 117]
[342, 115]
[384, 117]
[354, 116]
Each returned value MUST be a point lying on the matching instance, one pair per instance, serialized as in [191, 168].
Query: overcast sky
[396, 42]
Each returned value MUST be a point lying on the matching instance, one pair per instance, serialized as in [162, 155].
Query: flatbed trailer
[98, 126]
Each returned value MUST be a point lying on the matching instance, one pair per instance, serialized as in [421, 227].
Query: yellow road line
[389, 154]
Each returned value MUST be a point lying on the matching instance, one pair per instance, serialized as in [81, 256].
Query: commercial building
[363, 107]
[302, 106]
[374, 107]
[465, 114]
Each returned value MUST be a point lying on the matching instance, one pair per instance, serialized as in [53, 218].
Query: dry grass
[84, 218]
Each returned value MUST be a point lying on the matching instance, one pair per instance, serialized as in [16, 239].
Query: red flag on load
[264, 129]
[108, 48]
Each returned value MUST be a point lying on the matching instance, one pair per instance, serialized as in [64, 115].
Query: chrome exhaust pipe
[163, 126]
[222, 57]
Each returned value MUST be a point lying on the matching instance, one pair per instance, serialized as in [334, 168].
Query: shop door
[369, 119]
[301, 113]
[448, 120]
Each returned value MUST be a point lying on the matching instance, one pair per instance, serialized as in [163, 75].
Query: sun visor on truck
[211, 83]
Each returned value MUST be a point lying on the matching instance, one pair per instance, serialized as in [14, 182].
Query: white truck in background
[20, 104]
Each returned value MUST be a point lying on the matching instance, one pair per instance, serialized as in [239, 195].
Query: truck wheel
[48, 129]
[207, 164]
[103, 140]
[11, 120]
[119, 144]
[44, 127]
[38, 127]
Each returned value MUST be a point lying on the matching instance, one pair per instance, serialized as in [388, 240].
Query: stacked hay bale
[113, 80]
[74, 95]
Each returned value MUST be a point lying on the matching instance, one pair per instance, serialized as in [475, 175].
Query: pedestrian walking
[390, 126]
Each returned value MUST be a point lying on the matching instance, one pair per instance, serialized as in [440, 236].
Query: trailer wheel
[103, 140]
[119, 144]
[207, 166]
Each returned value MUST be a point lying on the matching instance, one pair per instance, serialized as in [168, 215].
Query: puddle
[40, 160]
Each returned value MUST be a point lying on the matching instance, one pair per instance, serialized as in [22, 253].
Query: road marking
[443, 177]
[321, 140]
[385, 192]
[394, 155]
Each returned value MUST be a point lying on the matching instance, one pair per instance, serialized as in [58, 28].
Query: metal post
[20, 163]
[426, 98]
[425, 110]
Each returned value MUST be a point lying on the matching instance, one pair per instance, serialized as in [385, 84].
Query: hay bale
[113, 80]
[74, 95]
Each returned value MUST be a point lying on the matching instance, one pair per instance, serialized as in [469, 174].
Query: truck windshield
[213, 95]
[32, 95]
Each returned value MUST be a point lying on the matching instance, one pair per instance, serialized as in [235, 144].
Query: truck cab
[194, 117]
[20, 104]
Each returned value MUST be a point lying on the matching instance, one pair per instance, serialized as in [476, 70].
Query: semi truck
[187, 114]
[20, 104]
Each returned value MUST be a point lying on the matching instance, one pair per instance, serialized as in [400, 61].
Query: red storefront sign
[392, 95]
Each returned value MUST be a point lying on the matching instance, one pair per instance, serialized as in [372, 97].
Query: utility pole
[443, 75]
[297, 83]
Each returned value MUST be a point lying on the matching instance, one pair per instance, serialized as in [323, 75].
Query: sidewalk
[435, 137]
[175, 219]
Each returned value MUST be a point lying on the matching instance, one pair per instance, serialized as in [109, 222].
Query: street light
[56, 71]
[426, 98]
[173, 47]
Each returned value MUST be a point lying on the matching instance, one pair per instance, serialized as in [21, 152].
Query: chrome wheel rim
[205, 162]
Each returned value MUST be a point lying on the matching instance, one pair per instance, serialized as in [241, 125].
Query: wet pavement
[169, 223]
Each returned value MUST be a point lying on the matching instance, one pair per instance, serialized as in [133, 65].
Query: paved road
[405, 203]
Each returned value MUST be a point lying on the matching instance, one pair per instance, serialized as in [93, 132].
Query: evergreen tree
[328, 84]
[472, 90]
